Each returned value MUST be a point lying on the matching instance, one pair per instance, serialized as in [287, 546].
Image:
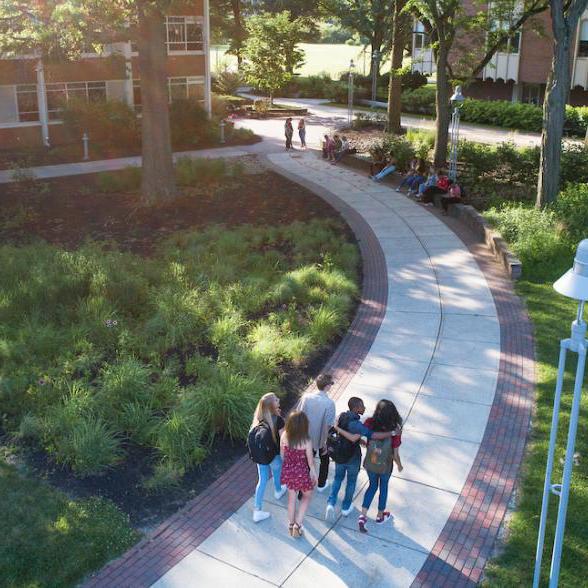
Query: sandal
[296, 530]
[383, 518]
[361, 521]
[291, 529]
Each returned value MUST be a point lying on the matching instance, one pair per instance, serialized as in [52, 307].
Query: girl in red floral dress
[298, 471]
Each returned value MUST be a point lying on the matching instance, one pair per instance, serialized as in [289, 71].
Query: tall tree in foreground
[464, 39]
[401, 26]
[61, 30]
[564, 22]
[372, 19]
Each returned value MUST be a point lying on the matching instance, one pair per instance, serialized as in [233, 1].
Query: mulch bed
[68, 212]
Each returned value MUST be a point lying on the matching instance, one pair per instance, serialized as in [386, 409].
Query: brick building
[32, 93]
[519, 72]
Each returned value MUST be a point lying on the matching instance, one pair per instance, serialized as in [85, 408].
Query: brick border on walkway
[180, 534]
[467, 541]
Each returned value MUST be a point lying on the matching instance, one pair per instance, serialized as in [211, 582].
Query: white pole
[42, 102]
[206, 47]
[85, 143]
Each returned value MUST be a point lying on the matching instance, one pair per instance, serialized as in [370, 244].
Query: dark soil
[73, 153]
[67, 213]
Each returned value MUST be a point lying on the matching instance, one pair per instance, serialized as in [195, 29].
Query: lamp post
[573, 284]
[375, 68]
[350, 93]
[222, 130]
[457, 101]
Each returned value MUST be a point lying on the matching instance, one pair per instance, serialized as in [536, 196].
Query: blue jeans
[387, 170]
[375, 480]
[351, 469]
[263, 472]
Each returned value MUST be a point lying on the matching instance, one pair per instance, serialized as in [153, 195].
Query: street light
[375, 68]
[457, 101]
[350, 93]
[573, 284]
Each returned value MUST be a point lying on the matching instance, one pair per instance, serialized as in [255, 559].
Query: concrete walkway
[319, 109]
[436, 355]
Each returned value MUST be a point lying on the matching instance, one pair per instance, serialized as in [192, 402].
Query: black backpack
[339, 449]
[261, 445]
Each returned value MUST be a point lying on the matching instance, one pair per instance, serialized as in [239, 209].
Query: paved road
[324, 116]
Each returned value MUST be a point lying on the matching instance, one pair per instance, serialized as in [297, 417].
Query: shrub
[190, 125]
[194, 171]
[89, 447]
[534, 237]
[571, 210]
[419, 101]
[126, 180]
[261, 105]
[227, 82]
[111, 122]
[396, 146]
[179, 438]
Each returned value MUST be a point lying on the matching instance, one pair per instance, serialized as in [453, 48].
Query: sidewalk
[439, 332]
[472, 132]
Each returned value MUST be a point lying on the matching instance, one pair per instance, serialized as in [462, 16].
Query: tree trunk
[158, 180]
[442, 106]
[556, 96]
[395, 86]
[239, 31]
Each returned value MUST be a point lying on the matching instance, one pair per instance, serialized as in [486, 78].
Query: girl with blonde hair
[264, 443]
[298, 471]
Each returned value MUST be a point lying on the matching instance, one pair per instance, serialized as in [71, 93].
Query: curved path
[440, 332]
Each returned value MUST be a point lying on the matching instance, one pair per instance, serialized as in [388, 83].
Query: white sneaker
[322, 488]
[330, 512]
[347, 511]
[281, 493]
[260, 515]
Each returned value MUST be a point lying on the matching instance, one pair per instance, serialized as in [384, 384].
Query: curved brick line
[466, 542]
[180, 534]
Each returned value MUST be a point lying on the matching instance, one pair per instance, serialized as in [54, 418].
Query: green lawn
[333, 59]
[552, 315]
[49, 540]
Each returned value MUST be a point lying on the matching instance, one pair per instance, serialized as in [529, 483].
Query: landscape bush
[101, 350]
[189, 124]
[500, 113]
[110, 122]
[227, 82]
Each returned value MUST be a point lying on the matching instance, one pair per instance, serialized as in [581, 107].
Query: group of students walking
[286, 450]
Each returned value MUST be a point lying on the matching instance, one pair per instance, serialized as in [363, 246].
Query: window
[137, 103]
[28, 104]
[178, 88]
[421, 39]
[509, 45]
[58, 95]
[186, 89]
[183, 34]
[583, 45]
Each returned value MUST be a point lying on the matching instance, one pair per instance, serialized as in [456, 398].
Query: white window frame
[184, 21]
[188, 81]
[19, 113]
[69, 89]
[583, 22]
[420, 33]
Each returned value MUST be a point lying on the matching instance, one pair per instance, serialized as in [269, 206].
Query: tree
[564, 22]
[400, 34]
[270, 52]
[372, 19]
[60, 30]
[479, 39]
[227, 23]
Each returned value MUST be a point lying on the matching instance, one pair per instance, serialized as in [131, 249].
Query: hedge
[500, 113]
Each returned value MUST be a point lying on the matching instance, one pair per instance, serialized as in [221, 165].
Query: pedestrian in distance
[321, 413]
[302, 133]
[263, 443]
[298, 470]
[345, 450]
[289, 132]
[379, 460]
